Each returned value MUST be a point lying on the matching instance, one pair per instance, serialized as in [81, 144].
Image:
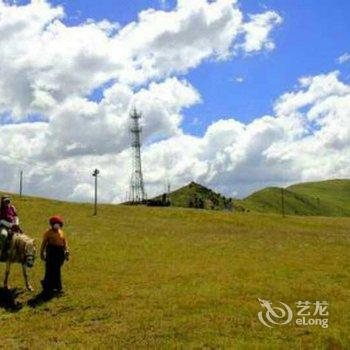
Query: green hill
[197, 196]
[333, 194]
[155, 278]
[325, 198]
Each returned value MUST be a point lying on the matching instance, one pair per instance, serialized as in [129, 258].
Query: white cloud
[257, 31]
[48, 71]
[43, 61]
[344, 58]
[312, 90]
[308, 138]
[80, 127]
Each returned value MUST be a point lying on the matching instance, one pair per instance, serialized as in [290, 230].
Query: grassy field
[323, 198]
[179, 278]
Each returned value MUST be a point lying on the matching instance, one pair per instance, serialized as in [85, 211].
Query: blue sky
[312, 36]
[307, 43]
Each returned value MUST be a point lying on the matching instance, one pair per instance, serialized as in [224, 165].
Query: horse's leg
[7, 273]
[25, 276]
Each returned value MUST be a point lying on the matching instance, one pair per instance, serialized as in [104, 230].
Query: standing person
[54, 250]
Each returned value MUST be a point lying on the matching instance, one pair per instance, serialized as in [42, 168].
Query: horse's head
[29, 253]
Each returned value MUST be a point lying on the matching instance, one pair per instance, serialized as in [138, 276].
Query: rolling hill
[324, 198]
[149, 278]
[334, 194]
[197, 196]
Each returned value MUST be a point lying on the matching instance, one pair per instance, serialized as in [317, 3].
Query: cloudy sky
[237, 95]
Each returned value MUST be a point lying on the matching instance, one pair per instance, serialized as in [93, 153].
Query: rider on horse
[9, 224]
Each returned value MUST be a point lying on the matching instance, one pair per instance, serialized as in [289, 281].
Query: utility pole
[21, 183]
[282, 201]
[169, 190]
[95, 175]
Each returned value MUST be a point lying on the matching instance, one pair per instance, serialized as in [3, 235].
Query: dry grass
[179, 278]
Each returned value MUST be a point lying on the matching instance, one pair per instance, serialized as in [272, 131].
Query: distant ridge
[323, 198]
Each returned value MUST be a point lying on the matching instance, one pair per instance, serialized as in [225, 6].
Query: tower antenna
[137, 187]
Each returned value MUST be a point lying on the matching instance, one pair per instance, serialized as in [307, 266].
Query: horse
[22, 250]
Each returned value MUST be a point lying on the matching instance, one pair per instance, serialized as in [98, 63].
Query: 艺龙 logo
[308, 313]
[274, 315]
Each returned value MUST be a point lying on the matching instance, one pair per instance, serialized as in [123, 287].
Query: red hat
[56, 220]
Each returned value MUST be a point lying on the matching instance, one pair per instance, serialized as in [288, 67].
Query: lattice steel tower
[137, 187]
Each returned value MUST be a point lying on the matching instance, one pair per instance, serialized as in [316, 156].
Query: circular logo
[274, 315]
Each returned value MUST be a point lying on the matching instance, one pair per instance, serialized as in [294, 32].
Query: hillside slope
[334, 194]
[325, 198]
[143, 277]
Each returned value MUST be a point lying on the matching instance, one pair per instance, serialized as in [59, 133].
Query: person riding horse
[9, 224]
